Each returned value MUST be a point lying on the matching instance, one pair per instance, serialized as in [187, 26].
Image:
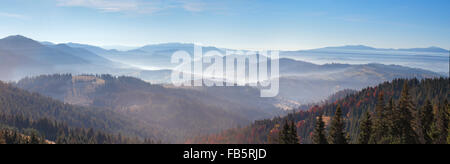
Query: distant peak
[17, 37]
[356, 47]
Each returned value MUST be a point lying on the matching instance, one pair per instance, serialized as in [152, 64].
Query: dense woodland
[175, 113]
[29, 118]
[398, 112]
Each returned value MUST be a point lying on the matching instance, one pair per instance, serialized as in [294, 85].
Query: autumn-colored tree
[337, 130]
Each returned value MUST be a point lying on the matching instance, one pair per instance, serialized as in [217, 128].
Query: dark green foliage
[426, 118]
[439, 132]
[289, 134]
[23, 110]
[448, 119]
[319, 134]
[381, 122]
[337, 132]
[403, 132]
[53, 132]
[365, 129]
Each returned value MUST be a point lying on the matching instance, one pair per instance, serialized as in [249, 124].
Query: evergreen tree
[448, 119]
[365, 129]
[284, 134]
[426, 120]
[319, 132]
[337, 130]
[293, 134]
[404, 132]
[439, 132]
[381, 123]
[288, 134]
[34, 139]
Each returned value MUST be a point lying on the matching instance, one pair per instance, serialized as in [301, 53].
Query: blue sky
[240, 24]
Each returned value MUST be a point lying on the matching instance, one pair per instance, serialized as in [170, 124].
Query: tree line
[390, 123]
[394, 112]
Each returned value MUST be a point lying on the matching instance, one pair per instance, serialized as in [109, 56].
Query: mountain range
[135, 84]
[24, 57]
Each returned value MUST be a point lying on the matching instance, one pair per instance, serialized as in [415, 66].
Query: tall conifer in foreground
[319, 132]
[426, 120]
[288, 134]
[337, 130]
[439, 132]
[365, 129]
[381, 122]
[403, 130]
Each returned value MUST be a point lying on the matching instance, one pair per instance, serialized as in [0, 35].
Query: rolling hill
[183, 111]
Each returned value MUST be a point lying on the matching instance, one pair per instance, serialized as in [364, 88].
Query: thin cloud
[12, 15]
[137, 6]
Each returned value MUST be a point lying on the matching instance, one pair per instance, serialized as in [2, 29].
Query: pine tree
[381, 122]
[448, 119]
[34, 139]
[404, 132]
[426, 120]
[439, 132]
[293, 134]
[288, 134]
[337, 130]
[365, 129]
[319, 132]
[284, 133]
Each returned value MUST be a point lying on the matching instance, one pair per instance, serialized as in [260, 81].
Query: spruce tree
[293, 134]
[288, 134]
[404, 132]
[365, 129]
[448, 119]
[380, 123]
[284, 134]
[426, 120]
[337, 130]
[34, 139]
[439, 132]
[319, 132]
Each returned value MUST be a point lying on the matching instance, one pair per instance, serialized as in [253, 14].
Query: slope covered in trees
[21, 130]
[398, 112]
[184, 112]
[21, 110]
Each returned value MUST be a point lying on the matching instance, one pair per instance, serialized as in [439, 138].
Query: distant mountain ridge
[363, 47]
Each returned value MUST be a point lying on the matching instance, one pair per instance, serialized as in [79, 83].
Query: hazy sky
[242, 24]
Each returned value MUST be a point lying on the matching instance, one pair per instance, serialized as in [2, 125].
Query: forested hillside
[21, 111]
[184, 112]
[401, 111]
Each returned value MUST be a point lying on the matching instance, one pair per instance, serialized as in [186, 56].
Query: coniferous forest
[404, 111]
[29, 118]
[399, 112]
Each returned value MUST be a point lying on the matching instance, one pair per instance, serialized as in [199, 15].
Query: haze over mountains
[71, 73]
[23, 57]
